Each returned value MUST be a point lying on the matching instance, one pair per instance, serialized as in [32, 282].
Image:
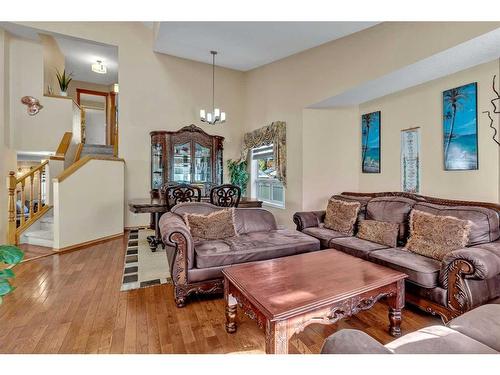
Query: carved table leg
[396, 304]
[231, 307]
[277, 337]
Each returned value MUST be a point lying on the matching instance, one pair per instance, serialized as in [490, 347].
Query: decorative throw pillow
[215, 226]
[380, 232]
[435, 236]
[341, 216]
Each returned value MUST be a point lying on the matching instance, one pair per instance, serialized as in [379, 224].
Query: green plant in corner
[64, 80]
[238, 174]
[10, 255]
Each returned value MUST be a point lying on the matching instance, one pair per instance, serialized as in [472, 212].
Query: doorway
[98, 110]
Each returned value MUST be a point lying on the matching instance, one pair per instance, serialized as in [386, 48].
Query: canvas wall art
[410, 160]
[460, 144]
[370, 142]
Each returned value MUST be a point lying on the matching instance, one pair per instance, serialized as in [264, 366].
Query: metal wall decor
[33, 104]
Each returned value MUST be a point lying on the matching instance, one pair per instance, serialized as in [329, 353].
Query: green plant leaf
[6, 274]
[10, 254]
[5, 287]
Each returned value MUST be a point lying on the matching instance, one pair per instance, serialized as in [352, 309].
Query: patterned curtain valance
[272, 134]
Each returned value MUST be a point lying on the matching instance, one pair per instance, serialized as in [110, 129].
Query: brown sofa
[466, 278]
[197, 266]
[475, 332]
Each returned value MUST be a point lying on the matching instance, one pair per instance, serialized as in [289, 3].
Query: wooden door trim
[106, 108]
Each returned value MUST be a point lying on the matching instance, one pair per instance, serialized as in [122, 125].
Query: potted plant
[10, 255]
[238, 174]
[64, 80]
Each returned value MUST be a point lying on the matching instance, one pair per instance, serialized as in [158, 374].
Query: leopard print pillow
[341, 216]
[380, 232]
[215, 226]
[435, 236]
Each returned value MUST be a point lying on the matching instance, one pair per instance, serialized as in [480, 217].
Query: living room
[316, 186]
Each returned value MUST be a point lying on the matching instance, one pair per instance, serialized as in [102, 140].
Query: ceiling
[247, 45]
[479, 50]
[80, 55]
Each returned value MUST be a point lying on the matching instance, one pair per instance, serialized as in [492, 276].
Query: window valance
[274, 134]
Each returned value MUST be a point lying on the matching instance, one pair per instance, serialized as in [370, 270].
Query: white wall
[88, 204]
[43, 131]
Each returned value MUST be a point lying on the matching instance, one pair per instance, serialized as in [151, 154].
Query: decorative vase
[64, 93]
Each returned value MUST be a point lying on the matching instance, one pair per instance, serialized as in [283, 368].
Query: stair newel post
[11, 185]
[23, 201]
[32, 195]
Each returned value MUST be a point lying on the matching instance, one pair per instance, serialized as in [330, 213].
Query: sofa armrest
[175, 233]
[468, 263]
[482, 263]
[309, 219]
[351, 341]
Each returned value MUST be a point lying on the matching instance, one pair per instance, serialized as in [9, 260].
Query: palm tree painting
[460, 128]
[370, 142]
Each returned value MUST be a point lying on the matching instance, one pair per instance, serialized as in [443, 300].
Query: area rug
[144, 267]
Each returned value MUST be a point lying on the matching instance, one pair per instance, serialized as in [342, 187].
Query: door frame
[108, 106]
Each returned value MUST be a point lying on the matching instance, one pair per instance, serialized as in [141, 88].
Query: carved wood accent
[459, 295]
[427, 199]
[431, 307]
[175, 194]
[226, 195]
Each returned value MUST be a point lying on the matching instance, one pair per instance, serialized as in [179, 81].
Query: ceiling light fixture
[216, 116]
[99, 67]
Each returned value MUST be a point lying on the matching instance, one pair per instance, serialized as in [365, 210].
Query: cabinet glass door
[202, 164]
[182, 163]
[156, 166]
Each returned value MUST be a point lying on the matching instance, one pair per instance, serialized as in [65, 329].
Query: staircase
[99, 150]
[40, 233]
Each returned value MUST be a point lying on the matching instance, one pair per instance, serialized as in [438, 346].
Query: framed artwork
[370, 142]
[460, 128]
[410, 160]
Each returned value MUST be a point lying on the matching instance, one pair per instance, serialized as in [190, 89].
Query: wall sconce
[33, 104]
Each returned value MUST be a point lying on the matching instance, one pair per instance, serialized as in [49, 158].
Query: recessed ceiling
[247, 45]
[80, 55]
[479, 50]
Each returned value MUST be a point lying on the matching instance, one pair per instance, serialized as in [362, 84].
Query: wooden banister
[80, 163]
[20, 221]
[63, 147]
[78, 152]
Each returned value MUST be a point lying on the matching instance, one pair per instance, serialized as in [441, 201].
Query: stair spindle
[12, 182]
[40, 173]
[23, 201]
[32, 195]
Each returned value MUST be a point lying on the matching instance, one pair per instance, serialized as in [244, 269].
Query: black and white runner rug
[143, 267]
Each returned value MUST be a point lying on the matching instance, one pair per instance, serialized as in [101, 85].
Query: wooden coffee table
[285, 295]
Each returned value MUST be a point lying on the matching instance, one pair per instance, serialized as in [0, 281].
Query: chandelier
[216, 116]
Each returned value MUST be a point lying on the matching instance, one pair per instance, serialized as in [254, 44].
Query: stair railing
[19, 220]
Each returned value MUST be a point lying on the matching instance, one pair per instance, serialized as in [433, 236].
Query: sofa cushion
[355, 246]
[484, 221]
[435, 236]
[252, 247]
[214, 226]
[420, 270]
[380, 232]
[482, 324]
[438, 339]
[392, 210]
[324, 235]
[362, 199]
[341, 215]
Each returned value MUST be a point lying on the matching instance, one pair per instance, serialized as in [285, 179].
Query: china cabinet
[188, 155]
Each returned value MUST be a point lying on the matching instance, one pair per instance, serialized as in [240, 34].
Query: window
[265, 186]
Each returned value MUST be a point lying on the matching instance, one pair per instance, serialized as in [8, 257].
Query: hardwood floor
[71, 303]
[34, 252]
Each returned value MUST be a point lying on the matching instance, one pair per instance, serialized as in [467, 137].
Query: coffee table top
[288, 286]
